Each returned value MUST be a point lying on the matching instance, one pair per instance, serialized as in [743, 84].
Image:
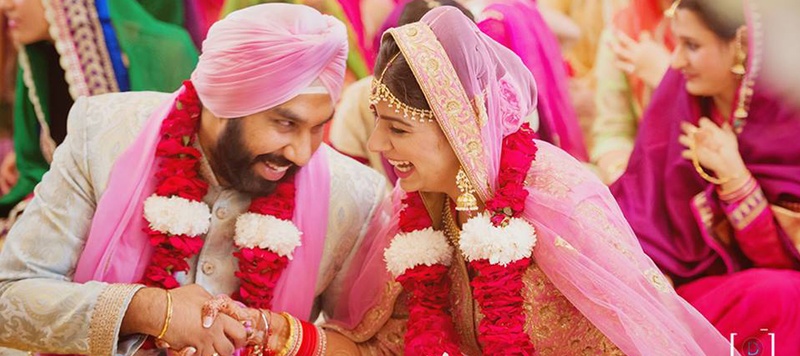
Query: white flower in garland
[177, 216]
[267, 232]
[480, 239]
[421, 247]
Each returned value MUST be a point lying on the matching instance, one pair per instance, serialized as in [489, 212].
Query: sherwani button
[222, 213]
[208, 268]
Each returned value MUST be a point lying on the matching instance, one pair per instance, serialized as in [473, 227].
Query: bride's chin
[408, 186]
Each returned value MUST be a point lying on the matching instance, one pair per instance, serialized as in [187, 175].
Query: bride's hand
[254, 320]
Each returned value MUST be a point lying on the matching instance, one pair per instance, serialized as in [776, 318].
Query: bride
[493, 242]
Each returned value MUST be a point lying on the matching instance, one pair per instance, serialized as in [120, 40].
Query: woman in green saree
[71, 49]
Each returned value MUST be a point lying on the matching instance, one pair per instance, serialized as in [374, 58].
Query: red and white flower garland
[177, 216]
[498, 245]
[420, 258]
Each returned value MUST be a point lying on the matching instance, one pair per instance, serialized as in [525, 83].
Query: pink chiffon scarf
[584, 245]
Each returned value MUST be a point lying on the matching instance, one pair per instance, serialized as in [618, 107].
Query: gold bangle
[291, 342]
[266, 323]
[168, 318]
[702, 172]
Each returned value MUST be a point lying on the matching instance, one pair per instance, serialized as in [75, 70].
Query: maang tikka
[380, 92]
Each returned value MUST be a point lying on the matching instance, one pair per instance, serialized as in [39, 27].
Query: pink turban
[265, 55]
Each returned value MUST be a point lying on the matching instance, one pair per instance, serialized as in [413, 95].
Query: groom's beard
[233, 162]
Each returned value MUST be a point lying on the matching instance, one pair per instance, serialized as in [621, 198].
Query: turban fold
[265, 55]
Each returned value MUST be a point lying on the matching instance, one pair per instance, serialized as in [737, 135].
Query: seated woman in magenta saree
[713, 186]
[535, 257]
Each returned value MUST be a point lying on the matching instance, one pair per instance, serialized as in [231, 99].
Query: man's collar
[205, 170]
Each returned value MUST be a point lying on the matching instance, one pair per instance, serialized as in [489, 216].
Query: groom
[155, 202]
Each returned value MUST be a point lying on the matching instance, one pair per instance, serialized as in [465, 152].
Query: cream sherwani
[42, 310]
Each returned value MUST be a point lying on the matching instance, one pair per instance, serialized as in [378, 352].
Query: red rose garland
[259, 269]
[497, 288]
[430, 329]
[177, 177]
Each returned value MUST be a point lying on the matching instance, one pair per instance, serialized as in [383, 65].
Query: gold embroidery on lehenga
[555, 325]
[548, 174]
[391, 336]
[658, 280]
[590, 215]
[551, 320]
[479, 101]
[466, 316]
[465, 312]
[376, 317]
[560, 242]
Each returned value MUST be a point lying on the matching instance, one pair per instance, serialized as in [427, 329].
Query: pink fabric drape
[518, 25]
[585, 246]
[117, 250]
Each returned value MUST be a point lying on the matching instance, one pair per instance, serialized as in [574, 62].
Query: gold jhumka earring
[741, 56]
[746, 88]
[466, 201]
[380, 92]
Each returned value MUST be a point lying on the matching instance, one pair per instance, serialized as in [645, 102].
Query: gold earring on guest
[466, 201]
[741, 56]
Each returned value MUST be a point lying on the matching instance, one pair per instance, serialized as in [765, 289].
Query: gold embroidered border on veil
[449, 101]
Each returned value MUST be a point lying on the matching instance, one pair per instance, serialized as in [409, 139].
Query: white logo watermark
[753, 346]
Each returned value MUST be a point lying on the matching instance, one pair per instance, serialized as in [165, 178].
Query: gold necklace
[451, 229]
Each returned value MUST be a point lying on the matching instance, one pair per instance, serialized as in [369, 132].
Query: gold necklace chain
[451, 229]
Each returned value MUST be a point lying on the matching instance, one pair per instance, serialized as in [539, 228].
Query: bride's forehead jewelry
[380, 92]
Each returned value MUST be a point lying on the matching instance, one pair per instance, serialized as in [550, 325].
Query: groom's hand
[147, 313]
